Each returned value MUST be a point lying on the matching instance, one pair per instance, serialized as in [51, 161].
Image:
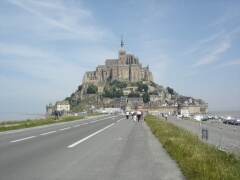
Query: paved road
[106, 147]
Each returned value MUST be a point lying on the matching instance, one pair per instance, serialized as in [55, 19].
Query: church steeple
[122, 43]
[122, 53]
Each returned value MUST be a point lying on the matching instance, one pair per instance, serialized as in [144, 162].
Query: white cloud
[202, 43]
[213, 56]
[35, 63]
[62, 19]
[21, 50]
[231, 14]
[230, 63]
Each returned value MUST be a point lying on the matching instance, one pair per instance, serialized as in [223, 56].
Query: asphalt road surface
[105, 147]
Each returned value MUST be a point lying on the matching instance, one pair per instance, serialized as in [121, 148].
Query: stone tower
[122, 53]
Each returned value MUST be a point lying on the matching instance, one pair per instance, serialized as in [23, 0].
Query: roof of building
[62, 103]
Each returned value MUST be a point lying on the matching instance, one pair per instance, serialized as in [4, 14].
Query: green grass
[14, 125]
[94, 114]
[197, 160]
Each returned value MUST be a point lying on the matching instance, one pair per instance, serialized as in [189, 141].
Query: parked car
[198, 117]
[225, 121]
[205, 118]
[210, 117]
[234, 122]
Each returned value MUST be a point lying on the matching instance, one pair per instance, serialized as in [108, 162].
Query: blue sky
[46, 46]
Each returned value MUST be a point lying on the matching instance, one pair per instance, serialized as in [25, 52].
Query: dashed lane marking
[63, 129]
[66, 129]
[48, 133]
[77, 125]
[23, 139]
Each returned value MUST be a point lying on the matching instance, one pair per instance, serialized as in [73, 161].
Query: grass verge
[196, 159]
[14, 125]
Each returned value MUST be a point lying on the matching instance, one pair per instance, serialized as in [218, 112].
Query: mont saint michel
[125, 84]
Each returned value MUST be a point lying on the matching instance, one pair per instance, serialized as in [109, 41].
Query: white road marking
[77, 125]
[23, 139]
[120, 119]
[84, 139]
[48, 133]
[64, 129]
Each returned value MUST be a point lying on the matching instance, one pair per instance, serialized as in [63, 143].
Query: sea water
[225, 113]
[16, 116]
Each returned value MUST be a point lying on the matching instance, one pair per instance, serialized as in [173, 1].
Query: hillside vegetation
[112, 89]
[87, 104]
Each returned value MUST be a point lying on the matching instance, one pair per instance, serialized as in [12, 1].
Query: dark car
[205, 118]
[233, 122]
[225, 121]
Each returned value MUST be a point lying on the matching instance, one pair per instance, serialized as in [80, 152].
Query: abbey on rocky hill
[123, 83]
[126, 68]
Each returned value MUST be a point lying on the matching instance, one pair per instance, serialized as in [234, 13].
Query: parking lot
[223, 136]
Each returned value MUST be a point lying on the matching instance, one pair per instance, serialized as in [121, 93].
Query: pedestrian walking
[132, 113]
[166, 116]
[127, 114]
[142, 114]
[134, 116]
[139, 115]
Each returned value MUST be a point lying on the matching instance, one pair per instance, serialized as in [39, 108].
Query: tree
[153, 93]
[112, 93]
[153, 84]
[170, 90]
[92, 89]
[132, 94]
[68, 99]
[80, 88]
[145, 87]
[118, 84]
[118, 94]
[146, 98]
[142, 87]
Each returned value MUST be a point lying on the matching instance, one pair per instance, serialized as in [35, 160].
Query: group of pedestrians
[165, 116]
[136, 115]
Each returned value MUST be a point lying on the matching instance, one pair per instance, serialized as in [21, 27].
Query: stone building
[120, 102]
[126, 68]
[135, 103]
[49, 109]
[59, 106]
[62, 106]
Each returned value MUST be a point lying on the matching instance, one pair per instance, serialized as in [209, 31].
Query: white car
[198, 117]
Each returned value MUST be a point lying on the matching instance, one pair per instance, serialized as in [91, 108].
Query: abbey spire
[122, 53]
[122, 43]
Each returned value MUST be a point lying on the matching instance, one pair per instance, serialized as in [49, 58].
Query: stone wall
[162, 109]
[191, 109]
